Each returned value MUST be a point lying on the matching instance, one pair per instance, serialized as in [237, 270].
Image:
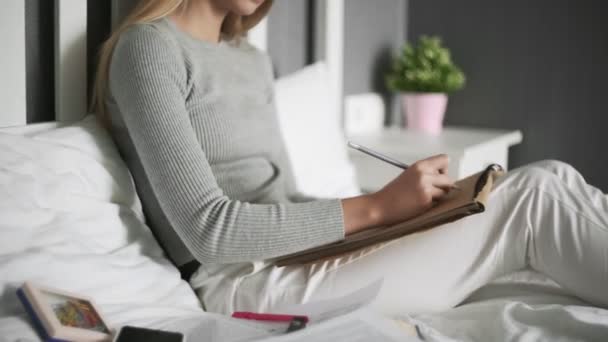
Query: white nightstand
[470, 150]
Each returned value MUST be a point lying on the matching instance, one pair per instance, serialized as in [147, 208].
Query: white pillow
[70, 218]
[313, 134]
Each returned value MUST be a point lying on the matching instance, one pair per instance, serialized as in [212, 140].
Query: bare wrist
[362, 212]
[375, 211]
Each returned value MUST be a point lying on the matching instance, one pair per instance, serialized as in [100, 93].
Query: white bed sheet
[524, 306]
[68, 219]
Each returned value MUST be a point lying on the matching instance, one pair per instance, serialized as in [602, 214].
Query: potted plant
[424, 74]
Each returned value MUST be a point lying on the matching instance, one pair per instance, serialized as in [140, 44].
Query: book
[63, 316]
[470, 199]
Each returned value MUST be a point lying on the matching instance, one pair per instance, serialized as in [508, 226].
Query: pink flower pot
[424, 112]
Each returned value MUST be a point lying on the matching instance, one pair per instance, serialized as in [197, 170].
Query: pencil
[378, 155]
[383, 157]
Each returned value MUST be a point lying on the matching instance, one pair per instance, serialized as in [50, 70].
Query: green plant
[426, 67]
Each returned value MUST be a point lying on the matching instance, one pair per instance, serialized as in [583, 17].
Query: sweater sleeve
[148, 84]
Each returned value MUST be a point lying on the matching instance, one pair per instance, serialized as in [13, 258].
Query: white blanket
[69, 219]
[525, 306]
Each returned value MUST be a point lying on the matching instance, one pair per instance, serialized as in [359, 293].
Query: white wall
[70, 59]
[12, 63]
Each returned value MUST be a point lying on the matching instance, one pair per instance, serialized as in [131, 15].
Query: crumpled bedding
[69, 219]
[524, 306]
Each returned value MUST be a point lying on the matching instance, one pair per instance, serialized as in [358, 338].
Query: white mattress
[69, 219]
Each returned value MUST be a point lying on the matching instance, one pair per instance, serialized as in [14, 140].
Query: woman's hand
[408, 195]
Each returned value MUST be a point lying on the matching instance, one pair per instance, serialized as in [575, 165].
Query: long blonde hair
[147, 11]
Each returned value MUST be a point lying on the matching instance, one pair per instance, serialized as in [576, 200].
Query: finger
[442, 181]
[436, 164]
[437, 193]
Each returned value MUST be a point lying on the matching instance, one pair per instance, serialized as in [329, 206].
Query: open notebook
[470, 199]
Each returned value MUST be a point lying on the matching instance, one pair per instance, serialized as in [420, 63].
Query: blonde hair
[147, 11]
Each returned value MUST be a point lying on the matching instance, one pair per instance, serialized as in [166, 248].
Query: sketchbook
[470, 199]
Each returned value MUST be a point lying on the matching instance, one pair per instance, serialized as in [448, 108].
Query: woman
[189, 104]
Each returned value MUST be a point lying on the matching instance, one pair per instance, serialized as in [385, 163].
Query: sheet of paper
[210, 327]
[322, 310]
[344, 318]
[358, 326]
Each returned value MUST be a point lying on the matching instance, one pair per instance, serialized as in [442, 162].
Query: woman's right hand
[408, 195]
[414, 190]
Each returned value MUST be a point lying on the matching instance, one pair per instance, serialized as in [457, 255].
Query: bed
[70, 218]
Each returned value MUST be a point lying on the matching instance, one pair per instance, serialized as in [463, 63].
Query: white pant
[543, 215]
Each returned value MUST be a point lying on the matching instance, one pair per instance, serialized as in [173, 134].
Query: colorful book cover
[60, 316]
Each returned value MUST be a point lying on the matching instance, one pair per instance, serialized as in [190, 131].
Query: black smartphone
[135, 334]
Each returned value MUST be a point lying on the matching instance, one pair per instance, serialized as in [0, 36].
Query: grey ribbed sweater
[196, 124]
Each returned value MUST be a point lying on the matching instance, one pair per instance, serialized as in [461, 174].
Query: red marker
[268, 317]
